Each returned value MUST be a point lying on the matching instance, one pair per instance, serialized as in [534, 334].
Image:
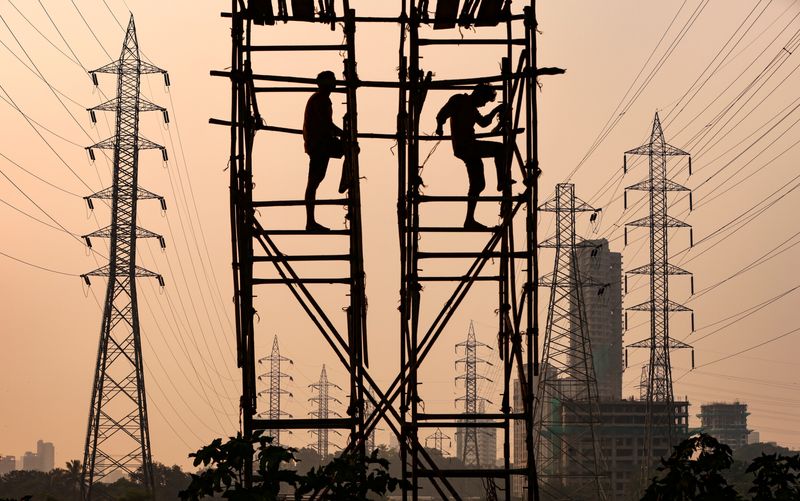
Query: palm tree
[74, 477]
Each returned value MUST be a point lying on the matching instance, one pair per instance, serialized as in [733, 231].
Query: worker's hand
[498, 109]
[439, 131]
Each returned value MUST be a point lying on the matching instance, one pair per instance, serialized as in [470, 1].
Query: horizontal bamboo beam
[448, 84]
[471, 41]
[300, 424]
[425, 416]
[306, 232]
[302, 257]
[380, 19]
[454, 229]
[294, 48]
[461, 278]
[291, 281]
[293, 203]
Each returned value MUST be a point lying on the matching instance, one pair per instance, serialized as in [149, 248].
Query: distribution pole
[658, 393]
[274, 390]
[567, 409]
[118, 438]
[322, 411]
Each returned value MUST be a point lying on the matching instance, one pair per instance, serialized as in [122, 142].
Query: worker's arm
[442, 117]
[485, 121]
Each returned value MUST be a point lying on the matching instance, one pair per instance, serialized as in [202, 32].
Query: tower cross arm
[105, 144]
[674, 344]
[647, 185]
[146, 144]
[110, 105]
[105, 271]
[552, 206]
[147, 68]
[657, 149]
[670, 306]
[145, 105]
[671, 222]
[112, 68]
[580, 243]
[648, 269]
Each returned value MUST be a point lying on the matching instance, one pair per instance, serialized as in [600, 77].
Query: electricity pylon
[370, 440]
[566, 414]
[469, 453]
[438, 438]
[274, 391]
[322, 401]
[118, 438]
[658, 391]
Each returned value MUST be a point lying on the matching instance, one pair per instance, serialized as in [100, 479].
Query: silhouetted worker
[462, 110]
[321, 138]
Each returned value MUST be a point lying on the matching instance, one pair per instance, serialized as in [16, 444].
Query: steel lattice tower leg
[470, 454]
[567, 411]
[323, 411]
[661, 416]
[118, 438]
[274, 391]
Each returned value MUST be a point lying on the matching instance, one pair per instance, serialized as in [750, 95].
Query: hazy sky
[50, 321]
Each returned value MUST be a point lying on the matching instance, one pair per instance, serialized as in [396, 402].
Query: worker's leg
[477, 182]
[491, 149]
[317, 167]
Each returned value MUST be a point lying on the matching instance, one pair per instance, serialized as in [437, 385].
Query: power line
[759, 345]
[39, 267]
[48, 183]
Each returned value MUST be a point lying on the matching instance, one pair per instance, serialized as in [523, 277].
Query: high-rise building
[727, 422]
[603, 305]
[622, 432]
[47, 455]
[41, 460]
[30, 461]
[7, 464]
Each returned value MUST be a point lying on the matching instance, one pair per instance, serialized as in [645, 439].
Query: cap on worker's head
[327, 77]
[484, 91]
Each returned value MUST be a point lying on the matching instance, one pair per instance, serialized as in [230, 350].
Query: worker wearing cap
[463, 113]
[322, 141]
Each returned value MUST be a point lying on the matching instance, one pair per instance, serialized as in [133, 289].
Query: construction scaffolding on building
[504, 257]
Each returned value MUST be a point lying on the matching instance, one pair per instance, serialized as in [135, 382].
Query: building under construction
[727, 422]
[623, 422]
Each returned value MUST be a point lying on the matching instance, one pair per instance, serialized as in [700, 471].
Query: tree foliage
[699, 467]
[224, 465]
[64, 485]
[777, 477]
[694, 472]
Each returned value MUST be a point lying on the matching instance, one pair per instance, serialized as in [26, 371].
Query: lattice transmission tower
[118, 438]
[469, 452]
[274, 392]
[657, 382]
[438, 437]
[322, 402]
[566, 415]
